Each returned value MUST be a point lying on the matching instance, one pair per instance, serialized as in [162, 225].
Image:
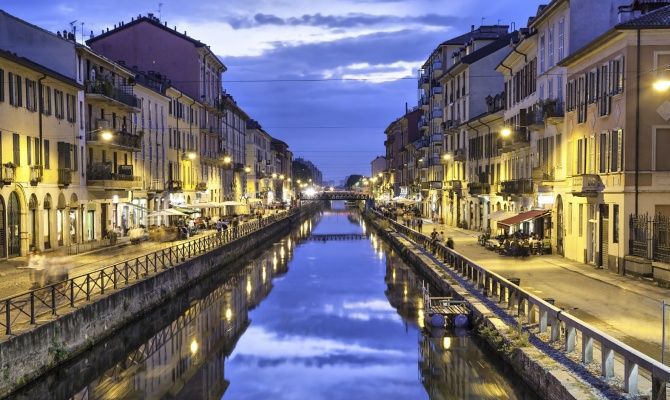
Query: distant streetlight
[191, 155]
[505, 132]
[274, 176]
[446, 156]
[247, 169]
[227, 159]
[662, 85]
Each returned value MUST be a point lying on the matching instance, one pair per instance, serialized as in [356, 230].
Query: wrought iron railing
[24, 309]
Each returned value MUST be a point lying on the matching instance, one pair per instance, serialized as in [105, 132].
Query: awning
[501, 215]
[185, 210]
[523, 217]
[201, 206]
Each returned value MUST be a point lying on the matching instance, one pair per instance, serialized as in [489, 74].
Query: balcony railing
[437, 113]
[8, 172]
[517, 187]
[35, 175]
[123, 139]
[102, 174]
[460, 155]
[436, 90]
[478, 188]
[587, 185]
[174, 186]
[543, 174]
[423, 122]
[64, 177]
[108, 90]
[201, 186]
[423, 100]
[519, 138]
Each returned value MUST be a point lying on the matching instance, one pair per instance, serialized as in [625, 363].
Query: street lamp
[227, 159]
[505, 132]
[446, 156]
[662, 85]
[106, 135]
[191, 155]
[247, 169]
[274, 176]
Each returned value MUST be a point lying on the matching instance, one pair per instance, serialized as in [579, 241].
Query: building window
[615, 223]
[46, 100]
[17, 149]
[58, 104]
[616, 150]
[542, 56]
[569, 218]
[602, 153]
[31, 95]
[71, 108]
[550, 47]
[2, 85]
[561, 39]
[581, 220]
[29, 149]
[46, 154]
[662, 141]
[605, 92]
[15, 90]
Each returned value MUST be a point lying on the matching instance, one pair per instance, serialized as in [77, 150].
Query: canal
[328, 312]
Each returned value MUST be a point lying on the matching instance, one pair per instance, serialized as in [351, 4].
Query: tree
[352, 180]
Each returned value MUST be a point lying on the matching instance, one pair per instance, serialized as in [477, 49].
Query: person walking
[450, 243]
[420, 225]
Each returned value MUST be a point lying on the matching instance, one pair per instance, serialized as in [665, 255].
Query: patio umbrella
[231, 203]
[254, 200]
[170, 212]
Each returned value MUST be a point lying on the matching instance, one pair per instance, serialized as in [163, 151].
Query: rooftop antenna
[74, 27]
[160, 11]
[82, 31]
[483, 19]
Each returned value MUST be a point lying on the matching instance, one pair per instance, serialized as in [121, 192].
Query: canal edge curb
[546, 376]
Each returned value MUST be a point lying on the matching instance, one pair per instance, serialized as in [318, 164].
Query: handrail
[24, 308]
[551, 317]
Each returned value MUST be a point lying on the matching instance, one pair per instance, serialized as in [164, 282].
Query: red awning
[523, 217]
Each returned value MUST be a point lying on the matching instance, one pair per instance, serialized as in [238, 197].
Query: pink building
[150, 45]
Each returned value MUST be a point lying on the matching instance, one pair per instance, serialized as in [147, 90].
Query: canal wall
[26, 356]
[547, 377]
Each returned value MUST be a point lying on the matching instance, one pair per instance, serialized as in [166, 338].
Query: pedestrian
[450, 243]
[420, 225]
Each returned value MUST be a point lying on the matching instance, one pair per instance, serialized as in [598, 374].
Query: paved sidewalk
[14, 279]
[625, 307]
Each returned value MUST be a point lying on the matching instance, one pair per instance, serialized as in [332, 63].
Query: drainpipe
[525, 57]
[637, 128]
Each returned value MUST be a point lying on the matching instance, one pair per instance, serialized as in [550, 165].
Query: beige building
[617, 134]
[112, 139]
[41, 197]
[260, 162]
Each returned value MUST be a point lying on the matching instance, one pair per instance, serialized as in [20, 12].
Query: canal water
[328, 312]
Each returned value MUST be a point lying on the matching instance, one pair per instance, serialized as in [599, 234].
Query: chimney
[472, 28]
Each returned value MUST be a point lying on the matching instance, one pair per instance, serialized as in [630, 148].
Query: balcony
[436, 138]
[437, 113]
[423, 101]
[423, 79]
[519, 139]
[102, 175]
[36, 174]
[436, 89]
[516, 187]
[239, 167]
[543, 175]
[455, 185]
[478, 188]
[546, 111]
[8, 173]
[106, 91]
[460, 155]
[587, 185]
[423, 123]
[450, 124]
[120, 139]
[174, 186]
[155, 186]
[201, 186]
[437, 66]
[64, 177]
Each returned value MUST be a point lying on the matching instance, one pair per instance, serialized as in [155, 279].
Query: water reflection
[344, 323]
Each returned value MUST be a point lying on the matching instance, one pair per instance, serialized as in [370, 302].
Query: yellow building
[617, 134]
[39, 201]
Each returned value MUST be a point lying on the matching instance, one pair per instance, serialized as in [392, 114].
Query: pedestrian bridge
[336, 195]
[337, 236]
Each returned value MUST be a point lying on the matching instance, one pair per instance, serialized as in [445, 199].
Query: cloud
[339, 21]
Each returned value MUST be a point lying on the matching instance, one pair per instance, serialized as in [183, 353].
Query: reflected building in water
[186, 359]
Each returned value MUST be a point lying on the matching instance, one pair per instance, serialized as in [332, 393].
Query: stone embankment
[548, 377]
[51, 341]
